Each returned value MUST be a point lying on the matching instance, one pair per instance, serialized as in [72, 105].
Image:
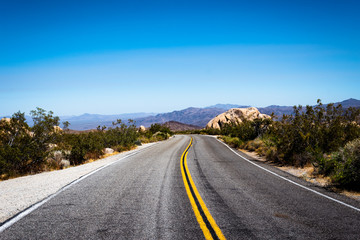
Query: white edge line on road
[32, 208]
[295, 183]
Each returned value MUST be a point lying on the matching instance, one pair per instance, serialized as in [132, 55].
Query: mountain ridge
[178, 126]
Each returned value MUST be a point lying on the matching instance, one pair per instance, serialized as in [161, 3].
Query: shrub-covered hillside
[45, 146]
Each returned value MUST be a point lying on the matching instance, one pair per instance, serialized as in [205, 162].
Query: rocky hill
[178, 126]
[235, 115]
[351, 102]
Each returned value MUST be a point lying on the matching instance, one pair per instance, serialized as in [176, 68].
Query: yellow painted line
[185, 172]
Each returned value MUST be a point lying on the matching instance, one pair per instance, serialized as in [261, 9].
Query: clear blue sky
[112, 57]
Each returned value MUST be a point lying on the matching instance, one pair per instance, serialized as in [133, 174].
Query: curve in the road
[207, 223]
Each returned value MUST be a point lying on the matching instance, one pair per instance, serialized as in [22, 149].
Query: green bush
[346, 165]
[232, 141]
[24, 149]
[85, 146]
[255, 145]
[211, 131]
[246, 130]
[156, 132]
[309, 133]
[90, 145]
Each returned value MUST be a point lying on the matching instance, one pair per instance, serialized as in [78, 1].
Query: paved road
[144, 197]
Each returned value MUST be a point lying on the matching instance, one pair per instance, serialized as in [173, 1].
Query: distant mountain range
[191, 116]
[91, 121]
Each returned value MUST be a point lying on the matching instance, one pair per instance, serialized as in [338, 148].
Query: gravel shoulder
[20, 193]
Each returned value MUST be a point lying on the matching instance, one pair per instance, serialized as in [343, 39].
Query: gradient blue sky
[113, 57]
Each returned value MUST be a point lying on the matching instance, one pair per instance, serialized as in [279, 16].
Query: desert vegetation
[44, 146]
[328, 137]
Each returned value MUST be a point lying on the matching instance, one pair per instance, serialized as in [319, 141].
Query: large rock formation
[235, 115]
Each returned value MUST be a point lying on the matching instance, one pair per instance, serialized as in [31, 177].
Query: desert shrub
[211, 131]
[246, 130]
[160, 136]
[44, 132]
[247, 134]
[90, 145]
[232, 141]
[311, 132]
[16, 145]
[121, 134]
[254, 145]
[156, 132]
[143, 139]
[346, 165]
[77, 146]
[154, 128]
[271, 154]
[326, 164]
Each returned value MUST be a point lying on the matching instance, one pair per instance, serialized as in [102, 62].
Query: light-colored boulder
[57, 129]
[64, 163]
[235, 115]
[6, 120]
[142, 128]
[57, 155]
[108, 150]
[50, 146]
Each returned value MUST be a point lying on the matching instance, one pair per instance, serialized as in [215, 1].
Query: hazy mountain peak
[351, 102]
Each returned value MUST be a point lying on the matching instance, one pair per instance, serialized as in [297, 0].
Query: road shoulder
[20, 193]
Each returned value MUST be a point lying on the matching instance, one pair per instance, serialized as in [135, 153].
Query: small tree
[15, 145]
[45, 131]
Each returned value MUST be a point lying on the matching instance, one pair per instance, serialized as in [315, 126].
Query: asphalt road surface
[176, 191]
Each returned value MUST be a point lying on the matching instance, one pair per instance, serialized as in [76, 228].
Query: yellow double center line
[203, 216]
